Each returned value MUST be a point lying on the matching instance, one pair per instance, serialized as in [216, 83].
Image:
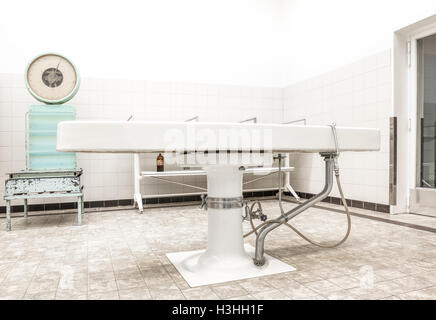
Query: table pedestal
[226, 258]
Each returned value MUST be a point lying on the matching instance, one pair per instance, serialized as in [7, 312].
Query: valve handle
[203, 204]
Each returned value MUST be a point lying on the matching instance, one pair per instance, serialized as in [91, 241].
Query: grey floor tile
[247, 297]
[423, 294]
[273, 294]
[120, 254]
[167, 294]
[322, 287]
[130, 283]
[109, 295]
[40, 296]
[229, 290]
[299, 292]
[255, 285]
[345, 282]
[141, 293]
[200, 293]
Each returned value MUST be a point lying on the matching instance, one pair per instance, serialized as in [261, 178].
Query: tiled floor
[121, 255]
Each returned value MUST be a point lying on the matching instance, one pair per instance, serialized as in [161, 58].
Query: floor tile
[166, 294]
[247, 297]
[340, 295]
[109, 295]
[111, 256]
[323, 287]
[255, 285]
[97, 286]
[272, 294]
[230, 290]
[423, 294]
[141, 293]
[200, 293]
[345, 282]
[299, 292]
[130, 283]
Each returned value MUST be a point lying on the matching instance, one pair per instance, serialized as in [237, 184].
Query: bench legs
[25, 208]
[79, 210]
[138, 200]
[137, 197]
[8, 215]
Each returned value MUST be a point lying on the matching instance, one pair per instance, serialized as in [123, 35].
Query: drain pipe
[329, 159]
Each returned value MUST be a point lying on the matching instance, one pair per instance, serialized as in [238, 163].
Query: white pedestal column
[226, 258]
[225, 244]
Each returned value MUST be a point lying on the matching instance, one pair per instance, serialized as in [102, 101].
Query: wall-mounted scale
[54, 80]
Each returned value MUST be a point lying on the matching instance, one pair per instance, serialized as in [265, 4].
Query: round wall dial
[52, 78]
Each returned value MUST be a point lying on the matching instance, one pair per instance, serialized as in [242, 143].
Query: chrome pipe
[254, 119]
[295, 121]
[196, 118]
[259, 258]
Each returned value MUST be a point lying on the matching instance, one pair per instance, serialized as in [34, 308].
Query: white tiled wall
[110, 176]
[354, 95]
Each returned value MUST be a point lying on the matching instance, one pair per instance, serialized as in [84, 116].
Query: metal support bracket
[221, 203]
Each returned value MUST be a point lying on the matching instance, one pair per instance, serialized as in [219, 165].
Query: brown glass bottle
[160, 163]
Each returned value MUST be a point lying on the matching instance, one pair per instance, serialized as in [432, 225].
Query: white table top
[166, 136]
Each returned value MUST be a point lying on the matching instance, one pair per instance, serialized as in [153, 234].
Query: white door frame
[405, 106]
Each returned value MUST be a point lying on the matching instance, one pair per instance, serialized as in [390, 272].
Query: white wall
[320, 36]
[325, 61]
[166, 59]
[355, 95]
[110, 176]
[244, 42]
[202, 41]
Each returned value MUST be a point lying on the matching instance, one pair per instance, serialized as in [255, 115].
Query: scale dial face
[52, 78]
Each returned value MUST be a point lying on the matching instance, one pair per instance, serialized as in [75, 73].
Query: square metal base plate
[195, 279]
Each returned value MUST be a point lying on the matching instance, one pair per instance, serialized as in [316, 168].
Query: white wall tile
[110, 176]
[355, 95]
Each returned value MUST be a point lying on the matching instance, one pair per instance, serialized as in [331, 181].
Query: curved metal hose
[322, 245]
[318, 244]
[344, 202]
[252, 226]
